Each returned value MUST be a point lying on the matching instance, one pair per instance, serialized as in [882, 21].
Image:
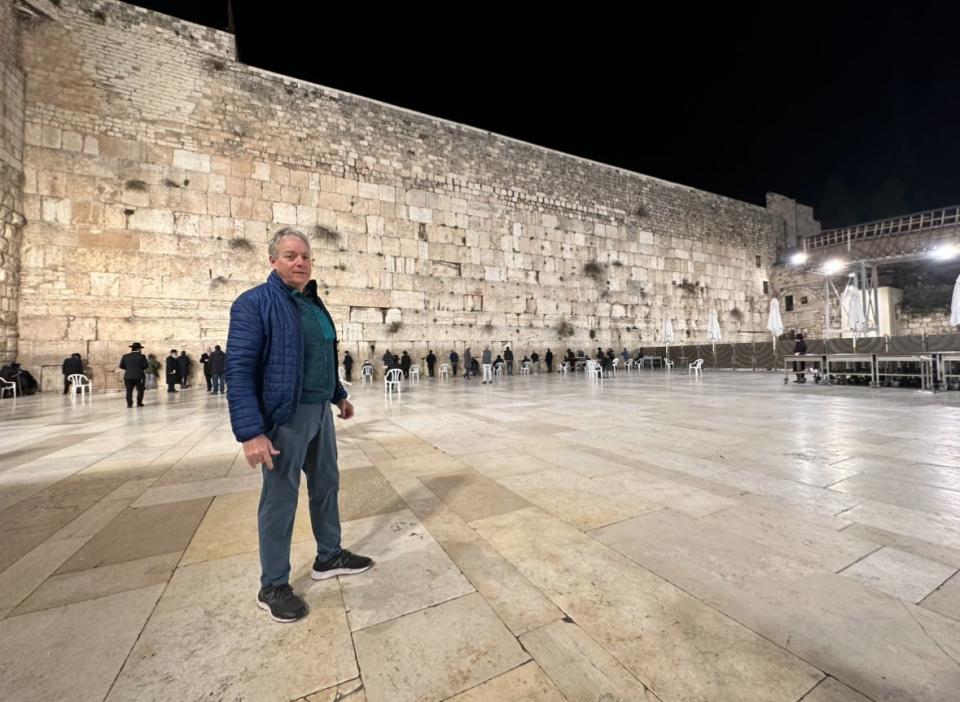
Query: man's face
[292, 263]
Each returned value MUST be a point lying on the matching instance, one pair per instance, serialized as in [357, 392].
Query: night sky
[853, 109]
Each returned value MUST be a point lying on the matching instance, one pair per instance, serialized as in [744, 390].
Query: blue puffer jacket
[265, 358]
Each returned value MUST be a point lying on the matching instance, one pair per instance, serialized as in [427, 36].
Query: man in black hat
[173, 371]
[134, 365]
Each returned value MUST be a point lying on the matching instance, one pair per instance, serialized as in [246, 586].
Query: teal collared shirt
[319, 377]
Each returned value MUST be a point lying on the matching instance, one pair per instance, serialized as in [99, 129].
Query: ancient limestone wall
[156, 167]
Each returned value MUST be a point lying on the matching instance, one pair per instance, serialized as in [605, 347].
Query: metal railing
[917, 222]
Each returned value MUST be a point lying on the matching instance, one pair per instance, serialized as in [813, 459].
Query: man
[454, 362]
[205, 363]
[184, 362]
[431, 362]
[282, 372]
[487, 361]
[218, 361]
[535, 361]
[71, 366]
[549, 359]
[800, 349]
[134, 365]
[348, 366]
[387, 358]
[467, 363]
[405, 364]
[173, 371]
[508, 357]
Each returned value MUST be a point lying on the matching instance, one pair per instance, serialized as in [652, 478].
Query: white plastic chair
[444, 370]
[696, 368]
[8, 386]
[564, 367]
[594, 370]
[366, 375]
[393, 379]
[629, 364]
[80, 382]
[525, 368]
[498, 370]
[415, 372]
[667, 364]
[616, 364]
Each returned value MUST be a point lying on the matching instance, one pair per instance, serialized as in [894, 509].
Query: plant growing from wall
[593, 269]
[240, 244]
[326, 234]
[564, 329]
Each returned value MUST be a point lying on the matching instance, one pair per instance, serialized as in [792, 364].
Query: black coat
[134, 364]
[183, 363]
[431, 359]
[73, 366]
[205, 362]
[348, 362]
[173, 369]
[800, 346]
[218, 362]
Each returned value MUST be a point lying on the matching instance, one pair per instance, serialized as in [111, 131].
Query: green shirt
[319, 376]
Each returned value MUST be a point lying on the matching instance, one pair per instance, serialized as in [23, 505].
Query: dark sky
[853, 108]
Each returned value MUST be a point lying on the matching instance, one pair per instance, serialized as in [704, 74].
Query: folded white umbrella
[667, 331]
[713, 327]
[852, 303]
[775, 321]
[955, 305]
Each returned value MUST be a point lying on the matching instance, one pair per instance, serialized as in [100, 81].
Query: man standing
[184, 362]
[348, 366]
[217, 366]
[205, 363]
[487, 361]
[282, 372]
[173, 371]
[134, 365]
[454, 362]
[508, 358]
[71, 366]
[549, 359]
[431, 362]
[800, 349]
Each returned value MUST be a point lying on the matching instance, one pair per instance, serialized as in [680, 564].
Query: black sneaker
[345, 563]
[283, 605]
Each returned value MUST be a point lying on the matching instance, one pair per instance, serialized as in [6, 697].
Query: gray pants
[307, 442]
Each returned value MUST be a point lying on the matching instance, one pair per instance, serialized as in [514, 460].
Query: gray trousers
[307, 442]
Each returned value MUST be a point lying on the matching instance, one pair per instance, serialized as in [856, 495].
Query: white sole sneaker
[264, 606]
[325, 574]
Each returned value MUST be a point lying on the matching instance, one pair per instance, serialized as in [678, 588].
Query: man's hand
[346, 409]
[258, 450]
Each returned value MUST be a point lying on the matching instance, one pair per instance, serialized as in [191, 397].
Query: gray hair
[286, 233]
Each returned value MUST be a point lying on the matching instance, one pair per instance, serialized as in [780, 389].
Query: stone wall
[11, 177]
[156, 167]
